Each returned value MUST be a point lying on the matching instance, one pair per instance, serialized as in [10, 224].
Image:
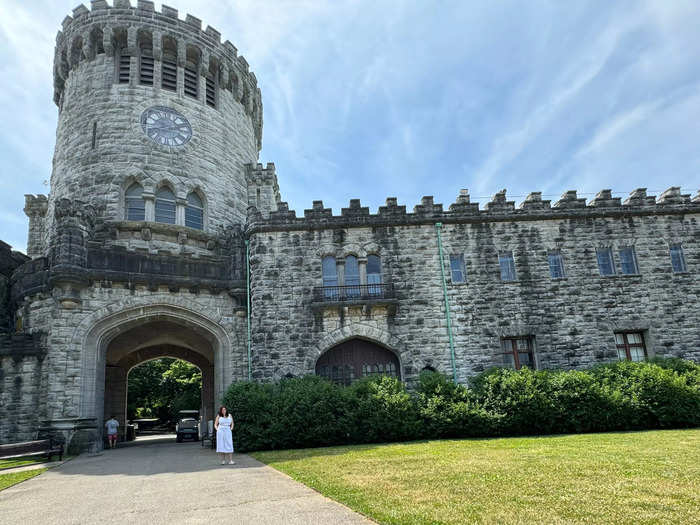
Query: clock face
[166, 126]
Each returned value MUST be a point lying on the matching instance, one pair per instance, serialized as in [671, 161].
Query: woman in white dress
[224, 438]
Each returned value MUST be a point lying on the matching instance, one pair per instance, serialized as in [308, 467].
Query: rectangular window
[556, 265]
[628, 261]
[678, 259]
[630, 346]
[165, 211]
[191, 82]
[135, 209]
[146, 70]
[211, 92]
[124, 68]
[605, 261]
[459, 272]
[169, 75]
[518, 352]
[507, 264]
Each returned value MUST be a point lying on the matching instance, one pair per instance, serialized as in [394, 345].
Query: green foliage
[311, 412]
[162, 387]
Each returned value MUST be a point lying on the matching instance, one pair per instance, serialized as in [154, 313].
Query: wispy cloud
[369, 99]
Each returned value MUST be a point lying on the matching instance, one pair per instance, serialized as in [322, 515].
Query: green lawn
[20, 462]
[629, 477]
[7, 480]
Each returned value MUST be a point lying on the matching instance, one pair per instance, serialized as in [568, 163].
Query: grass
[21, 462]
[628, 477]
[7, 480]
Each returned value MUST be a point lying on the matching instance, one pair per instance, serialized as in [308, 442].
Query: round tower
[158, 121]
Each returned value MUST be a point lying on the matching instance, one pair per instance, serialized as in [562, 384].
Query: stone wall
[572, 320]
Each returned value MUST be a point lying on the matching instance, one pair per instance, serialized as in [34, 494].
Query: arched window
[352, 276]
[194, 212]
[165, 206]
[374, 275]
[330, 277]
[135, 205]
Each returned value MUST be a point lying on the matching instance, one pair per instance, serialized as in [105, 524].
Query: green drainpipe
[438, 226]
[247, 294]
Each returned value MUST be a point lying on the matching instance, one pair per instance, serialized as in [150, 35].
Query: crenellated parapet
[132, 31]
[263, 188]
[35, 207]
[499, 209]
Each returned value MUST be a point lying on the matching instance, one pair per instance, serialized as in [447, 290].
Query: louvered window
[211, 92]
[146, 70]
[191, 84]
[124, 66]
[165, 206]
[194, 212]
[169, 75]
[135, 205]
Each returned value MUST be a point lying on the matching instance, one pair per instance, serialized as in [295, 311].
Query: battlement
[108, 30]
[462, 210]
[36, 206]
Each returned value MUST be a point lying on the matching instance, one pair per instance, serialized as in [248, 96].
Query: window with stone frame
[506, 263]
[351, 283]
[458, 271]
[135, 206]
[628, 261]
[630, 346]
[330, 277]
[606, 263]
[518, 352]
[165, 206]
[556, 265]
[194, 212]
[677, 259]
[374, 275]
[124, 66]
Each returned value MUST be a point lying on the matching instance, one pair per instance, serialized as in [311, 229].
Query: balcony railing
[354, 292]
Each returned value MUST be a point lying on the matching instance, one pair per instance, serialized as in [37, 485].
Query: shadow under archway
[148, 341]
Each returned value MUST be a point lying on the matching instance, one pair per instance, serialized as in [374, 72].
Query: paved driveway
[167, 483]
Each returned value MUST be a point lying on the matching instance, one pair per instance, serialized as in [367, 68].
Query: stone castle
[163, 236]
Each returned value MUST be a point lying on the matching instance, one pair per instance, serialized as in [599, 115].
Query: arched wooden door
[357, 358]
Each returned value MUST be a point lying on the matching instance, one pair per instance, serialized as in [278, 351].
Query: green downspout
[247, 293]
[438, 226]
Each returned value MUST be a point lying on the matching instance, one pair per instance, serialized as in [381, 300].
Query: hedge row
[312, 412]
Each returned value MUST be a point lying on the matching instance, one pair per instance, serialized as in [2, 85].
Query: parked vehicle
[187, 426]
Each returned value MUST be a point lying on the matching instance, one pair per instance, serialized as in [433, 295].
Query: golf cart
[187, 426]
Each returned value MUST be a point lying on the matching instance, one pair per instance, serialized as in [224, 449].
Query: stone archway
[356, 358]
[118, 341]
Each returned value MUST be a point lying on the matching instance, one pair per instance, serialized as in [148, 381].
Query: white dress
[224, 438]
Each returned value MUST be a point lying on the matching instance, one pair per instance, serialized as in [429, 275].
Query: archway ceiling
[158, 333]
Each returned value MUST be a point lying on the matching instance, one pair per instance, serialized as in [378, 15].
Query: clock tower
[159, 129]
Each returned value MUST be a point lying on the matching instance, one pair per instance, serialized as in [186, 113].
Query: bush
[311, 411]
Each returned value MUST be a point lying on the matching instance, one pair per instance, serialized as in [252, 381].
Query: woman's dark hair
[221, 411]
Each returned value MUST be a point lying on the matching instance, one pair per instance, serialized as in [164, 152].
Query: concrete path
[167, 483]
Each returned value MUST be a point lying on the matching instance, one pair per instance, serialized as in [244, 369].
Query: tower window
[194, 212]
[146, 69]
[678, 259]
[169, 75]
[165, 206]
[507, 265]
[211, 92]
[191, 82]
[330, 277]
[135, 205]
[124, 67]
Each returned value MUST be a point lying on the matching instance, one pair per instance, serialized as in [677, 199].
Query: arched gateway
[357, 358]
[118, 342]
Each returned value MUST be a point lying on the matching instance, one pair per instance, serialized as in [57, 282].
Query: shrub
[311, 411]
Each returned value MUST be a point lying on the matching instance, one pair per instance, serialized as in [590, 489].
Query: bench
[40, 447]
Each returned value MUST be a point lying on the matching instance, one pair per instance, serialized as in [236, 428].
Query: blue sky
[371, 99]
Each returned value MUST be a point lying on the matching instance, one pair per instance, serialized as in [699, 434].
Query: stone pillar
[35, 208]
